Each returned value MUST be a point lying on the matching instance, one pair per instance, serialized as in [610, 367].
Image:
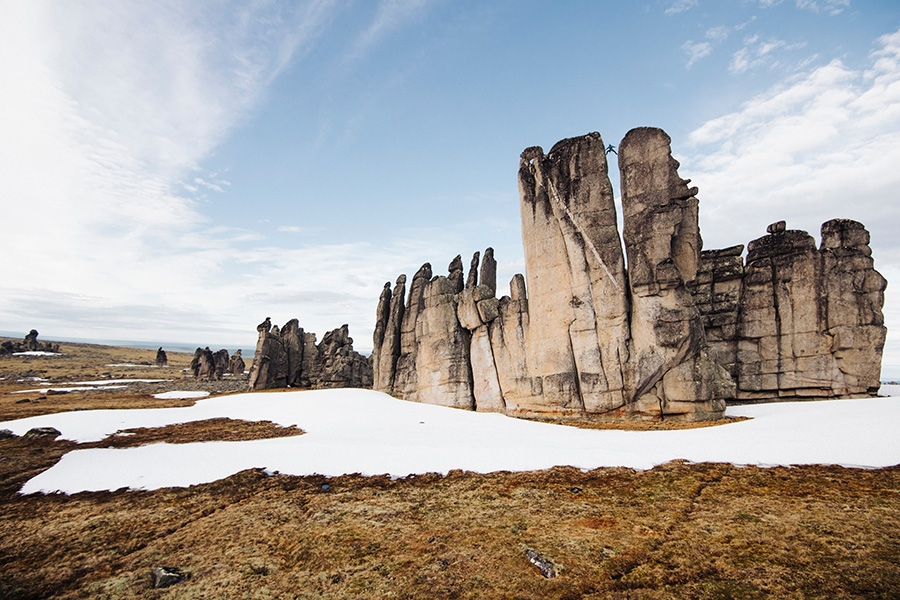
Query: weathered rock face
[289, 357]
[220, 359]
[796, 321]
[236, 364]
[337, 365]
[203, 364]
[670, 371]
[405, 376]
[577, 337]
[675, 336]
[442, 362]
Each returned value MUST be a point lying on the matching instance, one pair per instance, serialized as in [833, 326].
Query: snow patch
[178, 395]
[367, 432]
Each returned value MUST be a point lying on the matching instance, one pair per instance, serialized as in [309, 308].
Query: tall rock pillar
[670, 373]
[577, 336]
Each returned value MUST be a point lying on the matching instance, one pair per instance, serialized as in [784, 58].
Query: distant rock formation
[162, 359]
[29, 344]
[674, 336]
[203, 365]
[289, 357]
[236, 364]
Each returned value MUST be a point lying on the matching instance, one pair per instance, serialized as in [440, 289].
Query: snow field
[367, 432]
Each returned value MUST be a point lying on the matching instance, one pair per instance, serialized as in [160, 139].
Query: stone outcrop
[29, 344]
[796, 321]
[162, 359]
[203, 364]
[676, 335]
[289, 357]
[236, 364]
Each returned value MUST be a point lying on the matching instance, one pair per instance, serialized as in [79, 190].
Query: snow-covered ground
[80, 386]
[361, 431]
[176, 394]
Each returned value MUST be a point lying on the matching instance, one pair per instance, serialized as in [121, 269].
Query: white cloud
[757, 53]
[696, 51]
[717, 34]
[832, 7]
[678, 6]
[824, 144]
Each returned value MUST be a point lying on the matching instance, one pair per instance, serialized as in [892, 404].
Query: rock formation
[29, 344]
[203, 364]
[289, 357]
[675, 336]
[797, 321]
[236, 364]
[162, 359]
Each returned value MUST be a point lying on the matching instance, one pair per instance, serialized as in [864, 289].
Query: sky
[176, 172]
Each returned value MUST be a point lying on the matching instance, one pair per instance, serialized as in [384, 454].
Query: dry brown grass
[677, 531]
[89, 362]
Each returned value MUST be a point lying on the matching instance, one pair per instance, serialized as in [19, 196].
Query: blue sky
[179, 171]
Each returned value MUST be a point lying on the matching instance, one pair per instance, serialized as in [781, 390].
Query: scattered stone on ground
[164, 577]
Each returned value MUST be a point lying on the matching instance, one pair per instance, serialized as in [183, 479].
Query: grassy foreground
[676, 531]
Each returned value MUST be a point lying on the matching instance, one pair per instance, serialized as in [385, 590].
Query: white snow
[37, 353]
[177, 395]
[105, 382]
[361, 431]
[133, 365]
[69, 389]
[86, 386]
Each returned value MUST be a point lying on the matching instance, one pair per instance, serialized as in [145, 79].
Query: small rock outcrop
[29, 344]
[289, 357]
[675, 335]
[203, 365]
[236, 364]
[162, 359]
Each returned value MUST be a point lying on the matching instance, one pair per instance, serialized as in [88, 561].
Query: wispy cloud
[831, 7]
[760, 53]
[107, 110]
[678, 6]
[697, 50]
[390, 16]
